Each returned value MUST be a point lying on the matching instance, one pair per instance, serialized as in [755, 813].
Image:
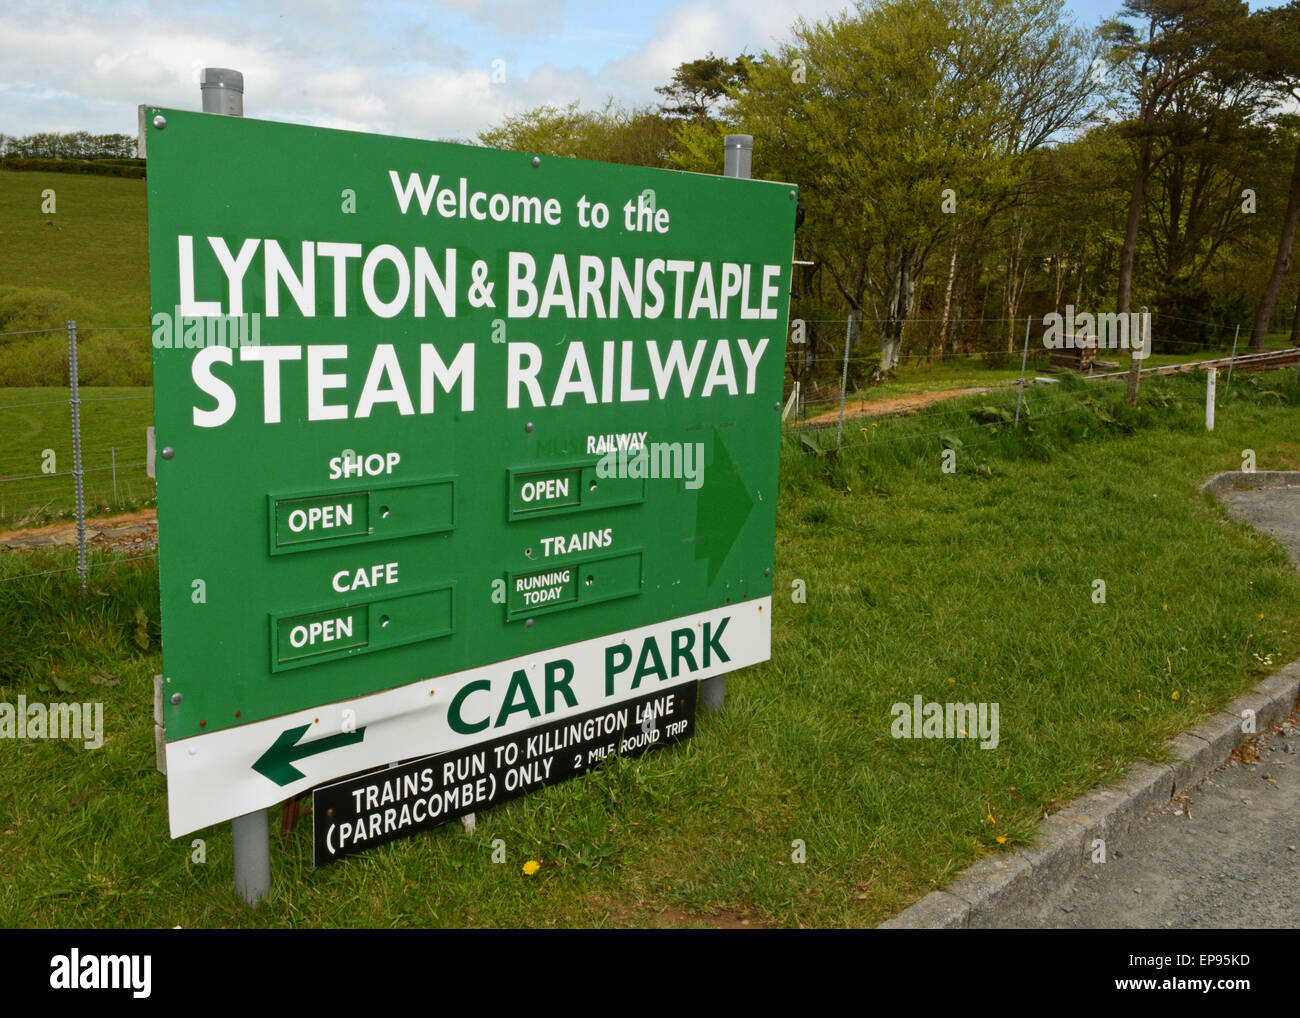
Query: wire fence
[71, 457]
[57, 467]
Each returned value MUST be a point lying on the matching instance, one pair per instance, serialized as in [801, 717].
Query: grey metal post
[78, 478]
[1023, 357]
[223, 91]
[113, 453]
[1228, 384]
[738, 155]
[737, 161]
[250, 834]
[844, 380]
[250, 842]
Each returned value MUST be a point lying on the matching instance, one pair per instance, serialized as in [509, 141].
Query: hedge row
[102, 167]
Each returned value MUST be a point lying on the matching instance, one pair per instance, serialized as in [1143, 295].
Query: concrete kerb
[1067, 839]
[1230, 479]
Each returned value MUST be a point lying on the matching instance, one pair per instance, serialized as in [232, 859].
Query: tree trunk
[947, 297]
[1012, 294]
[1124, 297]
[1281, 264]
[898, 306]
[1129, 253]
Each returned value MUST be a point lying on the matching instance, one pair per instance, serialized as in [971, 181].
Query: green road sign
[428, 409]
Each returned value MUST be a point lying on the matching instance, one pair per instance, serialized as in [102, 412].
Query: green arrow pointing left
[277, 763]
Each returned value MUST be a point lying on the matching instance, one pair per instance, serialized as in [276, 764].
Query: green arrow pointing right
[723, 506]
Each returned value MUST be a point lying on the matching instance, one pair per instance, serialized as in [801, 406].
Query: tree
[616, 135]
[891, 119]
[1279, 45]
[699, 87]
[1174, 43]
[1207, 148]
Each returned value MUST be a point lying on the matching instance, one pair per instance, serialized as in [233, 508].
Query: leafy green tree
[1207, 147]
[637, 137]
[1159, 48]
[898, 118]
[1278, 44]
[699, 88]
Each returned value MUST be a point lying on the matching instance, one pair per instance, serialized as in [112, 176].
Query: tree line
[67, 145]
[963, 166]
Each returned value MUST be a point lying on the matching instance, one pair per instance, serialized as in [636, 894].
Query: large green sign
[427, 408]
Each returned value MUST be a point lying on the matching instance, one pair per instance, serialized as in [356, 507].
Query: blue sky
[424, 69]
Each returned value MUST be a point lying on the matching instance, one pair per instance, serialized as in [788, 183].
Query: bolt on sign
[456, 444]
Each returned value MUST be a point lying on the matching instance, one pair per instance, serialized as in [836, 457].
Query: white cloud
[397, 66]
[689, 30]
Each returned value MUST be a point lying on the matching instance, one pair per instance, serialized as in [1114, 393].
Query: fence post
[844, 380]
[792, 402]
[1228, 384]
[113, 453]
[1023, 357]
[78, 480]
[1211, 378]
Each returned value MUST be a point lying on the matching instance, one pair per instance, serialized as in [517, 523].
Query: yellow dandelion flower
[1174, 695]
[531, 867]
[1001, 839]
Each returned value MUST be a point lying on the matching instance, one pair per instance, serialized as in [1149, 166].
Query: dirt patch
[725, 919]
[645, 915]
[134, 532]
[895, 404]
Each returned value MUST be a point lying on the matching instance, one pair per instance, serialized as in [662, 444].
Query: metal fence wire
[102, 476]
[105, 477]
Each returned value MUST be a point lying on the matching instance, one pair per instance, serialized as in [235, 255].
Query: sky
[433, 69]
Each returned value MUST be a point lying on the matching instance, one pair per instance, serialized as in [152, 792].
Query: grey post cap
[221, 77]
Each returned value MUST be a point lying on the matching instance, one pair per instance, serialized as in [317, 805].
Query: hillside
[86, 261]
[93, 250]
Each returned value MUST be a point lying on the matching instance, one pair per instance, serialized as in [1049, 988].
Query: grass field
[33, 420]
[972, 586]
[94, 248]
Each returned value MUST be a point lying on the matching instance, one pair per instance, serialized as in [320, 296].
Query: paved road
[1276, 511]
[1228, 854]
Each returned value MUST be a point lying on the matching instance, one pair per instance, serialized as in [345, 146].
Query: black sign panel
[358, 813]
